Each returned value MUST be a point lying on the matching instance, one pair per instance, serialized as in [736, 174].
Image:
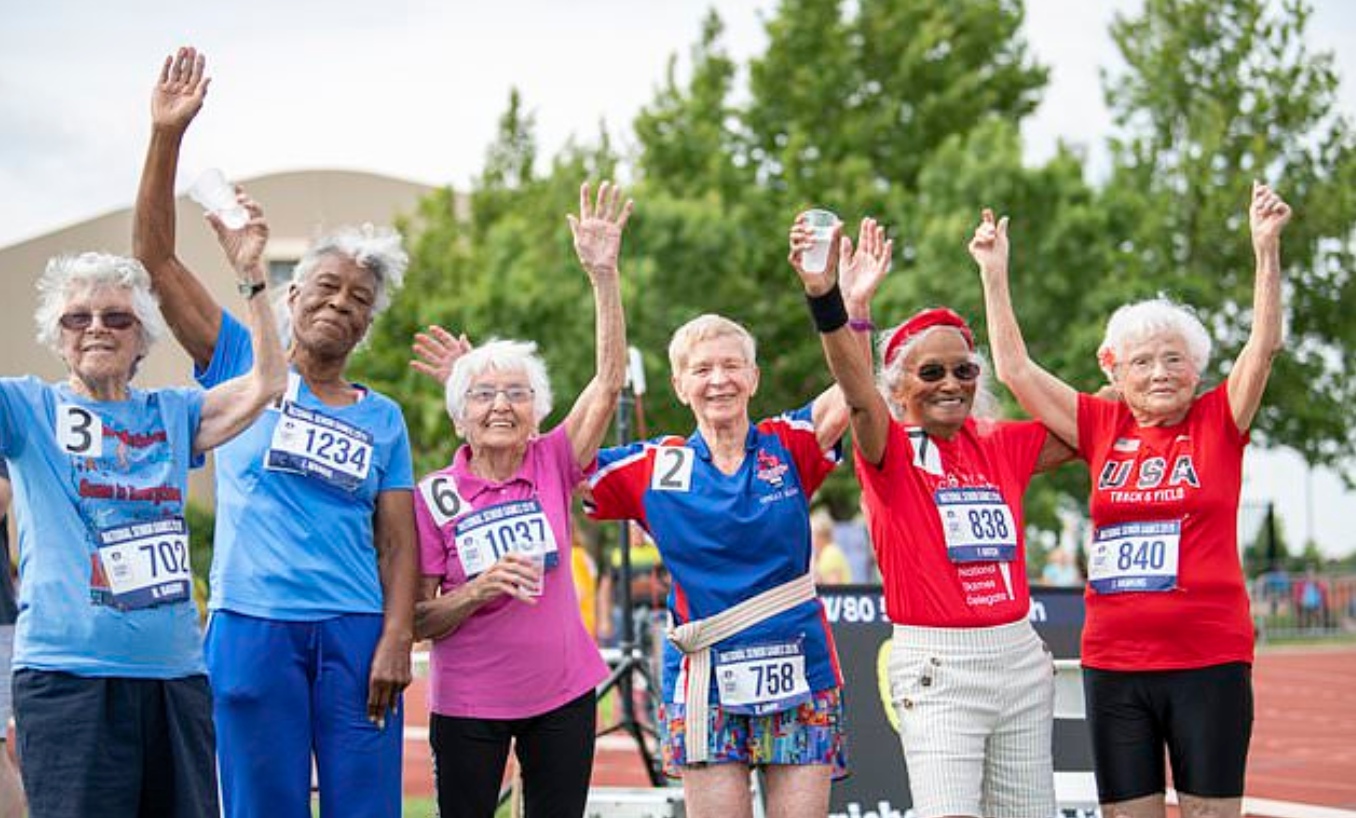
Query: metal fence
[1303, 606]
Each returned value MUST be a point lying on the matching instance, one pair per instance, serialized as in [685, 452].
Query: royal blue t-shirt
[123, 464]
[727, 538]
[297, 544]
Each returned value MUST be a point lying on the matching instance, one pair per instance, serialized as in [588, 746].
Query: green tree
[1217, 93]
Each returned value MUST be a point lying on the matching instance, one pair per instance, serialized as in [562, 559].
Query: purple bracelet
[861, 325]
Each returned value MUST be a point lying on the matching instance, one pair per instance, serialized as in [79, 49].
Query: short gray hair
[375, 249]
[500, 356]
[985, 405]
[1141, 320]
[67, 274]
[704, 328]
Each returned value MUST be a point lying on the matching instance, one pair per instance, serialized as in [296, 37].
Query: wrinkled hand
[389, 676]
[1267, 216]
[989, 247]
[598, 229]
[178, 94]
[436, 351]
[802, 239]
[510, 576]
[244, 247]
[861, 271]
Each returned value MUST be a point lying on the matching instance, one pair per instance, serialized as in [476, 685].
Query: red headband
[925, 320]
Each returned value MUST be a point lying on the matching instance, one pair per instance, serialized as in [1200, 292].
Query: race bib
[146, 564]
[483, 537]
[79, 431]
[319, 446]
[765, 678]
[672, 469]
[441, 498]
[977, 524]
[1135, 557]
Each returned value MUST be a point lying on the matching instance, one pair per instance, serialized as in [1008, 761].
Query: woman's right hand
[862, 269]
[179, 92]
[436, 351]
[802, 240]
[989, 246]
[511, 576]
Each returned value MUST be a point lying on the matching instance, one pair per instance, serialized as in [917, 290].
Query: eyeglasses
[80, 321]
[964, 372]
[485, 395]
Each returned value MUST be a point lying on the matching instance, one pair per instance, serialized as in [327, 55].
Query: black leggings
[1203, 717]
[555, 751]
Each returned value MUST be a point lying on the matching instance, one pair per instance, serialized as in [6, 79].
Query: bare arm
[231, 406]
[1047, 398]
[860, 273]
[867, 413]
[597, 240]
[436, 616]
[6, 496]
[398, 567]
[191, 312]
[1267, 216]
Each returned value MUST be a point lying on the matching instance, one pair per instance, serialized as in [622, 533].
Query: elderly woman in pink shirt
[511, 657]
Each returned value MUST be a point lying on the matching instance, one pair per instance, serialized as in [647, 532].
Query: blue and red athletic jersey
[727, 538]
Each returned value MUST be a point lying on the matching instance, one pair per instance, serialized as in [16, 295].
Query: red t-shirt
[971, 478]
[1183, 481]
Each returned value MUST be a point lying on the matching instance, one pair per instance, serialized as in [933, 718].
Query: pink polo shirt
[510, 659]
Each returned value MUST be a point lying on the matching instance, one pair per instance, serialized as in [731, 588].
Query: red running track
[1303, 746]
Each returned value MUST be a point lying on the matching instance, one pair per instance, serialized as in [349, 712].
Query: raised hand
[989, 247]
[244, 247]
[598, 229]
[178, 94]
[862, 270]
[802, 239]
[436, 351]
[1267, 216]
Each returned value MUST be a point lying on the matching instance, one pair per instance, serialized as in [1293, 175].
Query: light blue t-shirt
[294, 540]
[130, 467]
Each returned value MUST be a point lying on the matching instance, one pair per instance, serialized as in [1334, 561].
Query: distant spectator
[1311, 600]
[1060, 570]
[853, 537]
[827, 560]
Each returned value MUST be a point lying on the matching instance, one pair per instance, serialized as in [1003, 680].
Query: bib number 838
[988, 524]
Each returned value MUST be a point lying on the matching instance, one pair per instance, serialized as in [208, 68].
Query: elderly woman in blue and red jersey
[942, 484]
[728, 507]
[1167, 646]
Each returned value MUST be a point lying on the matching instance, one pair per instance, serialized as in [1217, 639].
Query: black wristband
[827, 310]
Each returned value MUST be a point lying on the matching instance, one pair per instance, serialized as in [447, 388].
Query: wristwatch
[250, 289]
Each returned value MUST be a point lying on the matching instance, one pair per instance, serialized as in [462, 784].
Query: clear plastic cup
[216, 195]
[536, 553]
[823, 222]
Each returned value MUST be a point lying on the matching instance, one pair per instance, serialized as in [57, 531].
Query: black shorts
[1203, 716]
[115, 747]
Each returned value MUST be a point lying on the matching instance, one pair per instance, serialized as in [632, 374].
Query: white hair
[377, 250]
[499, 356]
[1134, 323]
[66, 275]
[704, 328]
[985, 405]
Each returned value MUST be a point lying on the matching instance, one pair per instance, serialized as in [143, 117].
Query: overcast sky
[413, 88]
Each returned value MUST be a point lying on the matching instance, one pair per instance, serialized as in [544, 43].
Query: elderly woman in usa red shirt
[1167, 645]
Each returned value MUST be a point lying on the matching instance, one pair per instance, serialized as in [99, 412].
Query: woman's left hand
[862, 270]
[1267, 217]
[598, 229]
[436, 351]
[244, 247]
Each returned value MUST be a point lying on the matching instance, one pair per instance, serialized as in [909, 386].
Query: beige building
[299, 206]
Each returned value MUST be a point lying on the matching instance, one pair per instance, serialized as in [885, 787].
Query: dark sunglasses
[932, 373]
[78, 321]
